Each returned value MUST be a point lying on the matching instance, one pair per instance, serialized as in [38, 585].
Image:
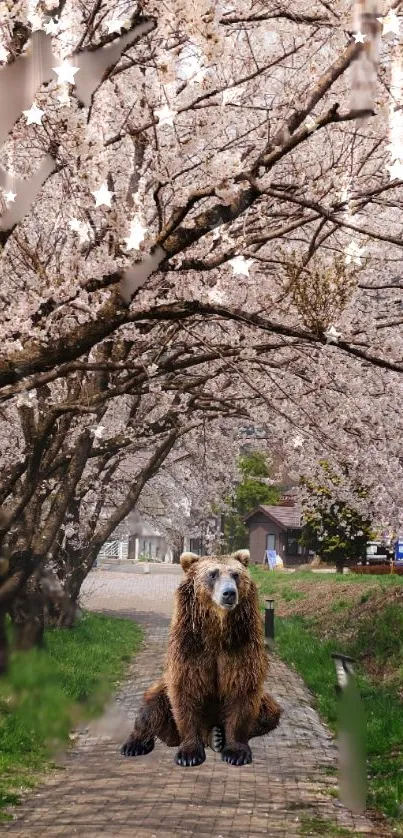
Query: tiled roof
[287, 516]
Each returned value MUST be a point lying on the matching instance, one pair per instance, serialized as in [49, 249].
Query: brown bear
[212, 689]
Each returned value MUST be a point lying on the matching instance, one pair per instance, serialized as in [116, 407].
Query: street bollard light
[269, 620]
[352, 761]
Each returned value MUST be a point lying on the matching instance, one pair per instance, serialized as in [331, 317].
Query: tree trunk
[84, 561]
[60, 604]
[27, 615]
[61, 613]
[29, 634]
[340, 560]
[3, 643]
[176, 554]
[13, 592]
[63, 606]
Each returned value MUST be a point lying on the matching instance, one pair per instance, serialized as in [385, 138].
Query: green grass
[376, 641]
[276, 582]
[45, 693]
[290, 594]
[339, 604]
[298, 645]
[382, 638]
[322, 827]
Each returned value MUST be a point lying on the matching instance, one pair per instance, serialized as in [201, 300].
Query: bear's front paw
[136, 747]
[237, 754]
[190, 756]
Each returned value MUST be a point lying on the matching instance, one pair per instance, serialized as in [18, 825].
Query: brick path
[99, 793]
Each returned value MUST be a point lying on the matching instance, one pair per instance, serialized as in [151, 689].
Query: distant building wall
[153, 546]
[259, 529]
[265, 534]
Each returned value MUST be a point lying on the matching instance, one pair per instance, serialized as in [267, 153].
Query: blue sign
[399, 550]
[271, 558]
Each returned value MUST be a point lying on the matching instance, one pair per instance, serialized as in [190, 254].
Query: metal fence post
[351, 739]
[269, 619]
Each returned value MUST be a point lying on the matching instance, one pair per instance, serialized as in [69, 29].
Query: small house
[276, 528]
[134, 539]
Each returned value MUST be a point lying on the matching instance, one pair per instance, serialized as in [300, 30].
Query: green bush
[46, 692]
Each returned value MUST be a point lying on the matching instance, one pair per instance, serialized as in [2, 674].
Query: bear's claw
[136, 747]
[237, 755]
[216, 739]
[190, 757]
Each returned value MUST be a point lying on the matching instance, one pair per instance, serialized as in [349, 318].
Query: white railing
[117, 549]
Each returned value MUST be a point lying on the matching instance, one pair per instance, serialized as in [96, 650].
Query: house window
[270, 541]
[293, 547]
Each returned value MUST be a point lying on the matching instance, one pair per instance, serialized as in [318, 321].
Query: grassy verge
[45, 693]
[367, 625]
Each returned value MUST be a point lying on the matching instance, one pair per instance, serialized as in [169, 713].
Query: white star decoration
[51, 27]
[79, 227]
[229, 94]
[74, 224]
[165, 115]
[83, 233]
[298, 441]
[36, 21]
[332, 335]
[103, 196]
[34, 115]
[115, 25]
[199, 76]
[396, 149]
[137, 234]
[240, 265]
[10, 197]
[97, 431]
[354, 253]
[26, 399]
[3, 53]
[65, 73]
[310, 123]
[359, 37]
[390, 23]
[396, 170]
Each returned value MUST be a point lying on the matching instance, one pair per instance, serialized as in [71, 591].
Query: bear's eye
[235, 577]
[213, 574]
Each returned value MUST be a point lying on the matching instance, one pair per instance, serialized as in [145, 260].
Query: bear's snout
[227, 595]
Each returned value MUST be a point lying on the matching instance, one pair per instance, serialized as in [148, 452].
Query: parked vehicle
[377, 552]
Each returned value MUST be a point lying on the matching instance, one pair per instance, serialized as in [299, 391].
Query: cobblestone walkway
[288, 788]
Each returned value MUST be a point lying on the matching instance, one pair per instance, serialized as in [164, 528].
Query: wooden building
[276, 528]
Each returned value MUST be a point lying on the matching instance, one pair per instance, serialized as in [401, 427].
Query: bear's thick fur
[215, 668]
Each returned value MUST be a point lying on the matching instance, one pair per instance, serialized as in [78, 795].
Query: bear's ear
[187, 559]
[242, 556]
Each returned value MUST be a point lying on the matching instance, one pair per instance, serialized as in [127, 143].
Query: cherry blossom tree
[334, 529]
[229, 176]
[88, 446]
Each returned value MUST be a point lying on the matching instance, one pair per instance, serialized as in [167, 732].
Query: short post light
[352, 758]
[269, 620]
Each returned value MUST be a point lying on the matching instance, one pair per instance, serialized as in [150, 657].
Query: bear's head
[223, 580]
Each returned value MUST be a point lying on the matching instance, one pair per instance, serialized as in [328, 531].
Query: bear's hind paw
[136, 747]
[189, 757]
[237, 754]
